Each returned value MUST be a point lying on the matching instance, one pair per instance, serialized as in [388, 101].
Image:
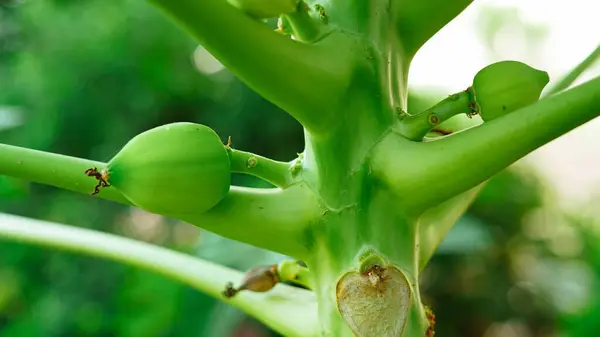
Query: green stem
[273, 219]
[436, 222]
[306, 80]
[351, 15]
[415, 127]
[570, 77]
[265, 9]
[53, 169]
[288, 310]
[275, 172]
[417, 21]
[461, 161]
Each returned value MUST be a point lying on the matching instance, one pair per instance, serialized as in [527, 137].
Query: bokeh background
[82, 77]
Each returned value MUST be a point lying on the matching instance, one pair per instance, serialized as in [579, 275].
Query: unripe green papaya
[178, 168]
[506, 86]
[262, 9]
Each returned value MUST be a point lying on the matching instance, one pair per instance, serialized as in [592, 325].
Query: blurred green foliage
[81, 78]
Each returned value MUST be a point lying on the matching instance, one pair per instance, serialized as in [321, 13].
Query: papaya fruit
[503, 87]
[178, 168]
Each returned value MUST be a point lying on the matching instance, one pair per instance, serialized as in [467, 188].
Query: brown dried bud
[258, 279]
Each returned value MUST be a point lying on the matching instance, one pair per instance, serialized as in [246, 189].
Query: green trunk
[360, 213]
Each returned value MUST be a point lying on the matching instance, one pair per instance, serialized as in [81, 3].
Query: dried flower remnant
[101, 176]
[431, 318]
[375, 302]
[258, 279]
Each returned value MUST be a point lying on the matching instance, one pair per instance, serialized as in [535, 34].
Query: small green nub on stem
[305, 27]
[293, 272]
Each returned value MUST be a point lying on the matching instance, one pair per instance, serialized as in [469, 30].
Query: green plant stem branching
[306, 80]
[574, 74]
[418, 21]
[435, 223]
[271, 218]
[461, 161]
[288, 310]
[367, 183]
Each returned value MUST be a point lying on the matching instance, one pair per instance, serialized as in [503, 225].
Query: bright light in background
[566, 33]
[205, 62]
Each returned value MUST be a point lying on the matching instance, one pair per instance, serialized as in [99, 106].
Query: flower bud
[506, 86]
[173, 169]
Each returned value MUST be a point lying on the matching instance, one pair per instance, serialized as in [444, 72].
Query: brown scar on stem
[102, 178]
[433, 119]
[229, 291]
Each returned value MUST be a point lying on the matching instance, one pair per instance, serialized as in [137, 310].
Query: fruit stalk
[272, 171]
[415, 127]
[52, 169]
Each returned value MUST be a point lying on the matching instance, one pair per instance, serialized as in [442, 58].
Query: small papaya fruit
[177, 168]
[261, 9]
[505, 86]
